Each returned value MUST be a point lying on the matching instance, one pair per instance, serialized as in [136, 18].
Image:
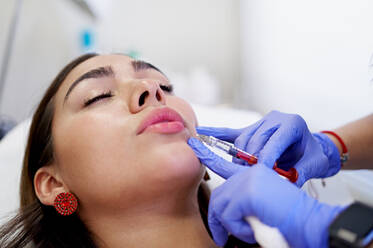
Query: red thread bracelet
[344, 155]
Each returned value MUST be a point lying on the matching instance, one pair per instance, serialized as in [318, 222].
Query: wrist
[353, 227]
[331, 151]
[336, 142]
[317, 226]
[308, 221]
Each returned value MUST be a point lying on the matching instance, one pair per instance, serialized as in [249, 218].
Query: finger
[233, 219]
[219, 234]
[221, 197]
[290, 156]
[246, 135]
[260, 138]
[244, 138]
[223, 133]
[301, 168]
[277, 144]
[308, 168]
[215, 163]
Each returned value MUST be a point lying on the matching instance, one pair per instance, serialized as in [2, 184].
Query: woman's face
[120, 136]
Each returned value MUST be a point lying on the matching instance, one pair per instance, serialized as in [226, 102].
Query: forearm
[358, 137]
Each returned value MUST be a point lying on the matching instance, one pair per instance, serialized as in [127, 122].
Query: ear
[48, 184]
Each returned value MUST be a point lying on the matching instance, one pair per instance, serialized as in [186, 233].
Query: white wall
[174, 35]
[308, 57]
[46, 40]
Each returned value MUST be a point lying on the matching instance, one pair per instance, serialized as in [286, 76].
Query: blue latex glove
[259, 191]
[284, 138]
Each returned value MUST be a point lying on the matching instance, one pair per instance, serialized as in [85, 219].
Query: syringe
[265, 235]
[291, 175]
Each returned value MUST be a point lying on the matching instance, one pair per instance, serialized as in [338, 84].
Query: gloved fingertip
[267, 162]
[194, 141]
[219, 234]
[203, 130]
[301, 178]
[199, 148]
[250, 239]
[266, 158]
[221, 240]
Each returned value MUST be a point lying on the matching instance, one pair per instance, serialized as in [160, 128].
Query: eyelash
[97, 98]
[166, 88]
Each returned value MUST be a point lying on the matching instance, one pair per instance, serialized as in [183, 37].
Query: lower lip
[166, 127]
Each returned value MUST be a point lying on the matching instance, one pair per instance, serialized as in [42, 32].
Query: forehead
[119, 63]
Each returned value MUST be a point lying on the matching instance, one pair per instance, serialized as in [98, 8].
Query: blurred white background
[181, 37]
[306, 57]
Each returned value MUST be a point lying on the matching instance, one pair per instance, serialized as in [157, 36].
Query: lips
[162, 120]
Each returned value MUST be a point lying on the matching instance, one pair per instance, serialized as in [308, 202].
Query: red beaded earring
[65, 203]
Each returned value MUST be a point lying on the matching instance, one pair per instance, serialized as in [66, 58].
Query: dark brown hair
[41, 224]
[36, 222]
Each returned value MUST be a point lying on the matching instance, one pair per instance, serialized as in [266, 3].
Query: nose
[146, 93]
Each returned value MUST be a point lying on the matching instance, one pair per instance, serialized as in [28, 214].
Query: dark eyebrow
[139, 65]
[100, 72]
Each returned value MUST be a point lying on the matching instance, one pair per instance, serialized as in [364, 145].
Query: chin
[178, 165]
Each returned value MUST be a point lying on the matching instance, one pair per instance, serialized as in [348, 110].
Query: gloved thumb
[223, 133]
[214, 162]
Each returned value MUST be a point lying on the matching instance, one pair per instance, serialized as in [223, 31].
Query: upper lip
[158, 115]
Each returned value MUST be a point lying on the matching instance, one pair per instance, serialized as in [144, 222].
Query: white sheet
[12, 148]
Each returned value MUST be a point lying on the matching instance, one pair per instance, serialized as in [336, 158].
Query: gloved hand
[284, 138]
[259, 191]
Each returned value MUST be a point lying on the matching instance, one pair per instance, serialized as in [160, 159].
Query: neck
[160, 225]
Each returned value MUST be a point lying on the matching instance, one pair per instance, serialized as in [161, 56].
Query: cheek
[95, 156]
[173, 164]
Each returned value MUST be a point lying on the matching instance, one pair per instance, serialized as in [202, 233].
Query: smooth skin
[358, 137]
[134, 190]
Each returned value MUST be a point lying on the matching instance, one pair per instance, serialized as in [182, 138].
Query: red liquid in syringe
[291, 174]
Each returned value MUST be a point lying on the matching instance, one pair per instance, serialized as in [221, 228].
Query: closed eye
[167, 88]
[97, 98]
